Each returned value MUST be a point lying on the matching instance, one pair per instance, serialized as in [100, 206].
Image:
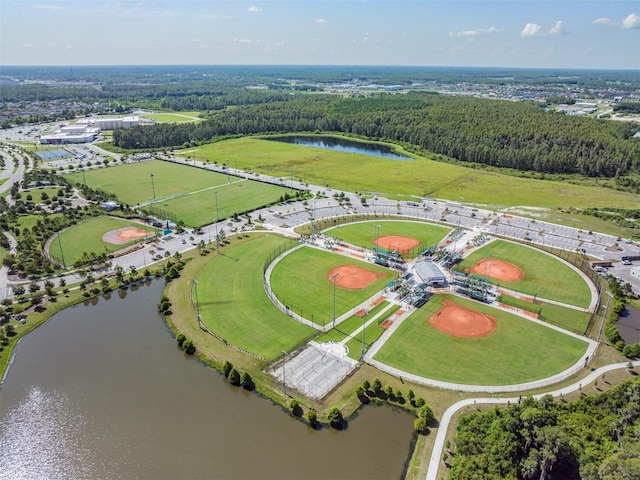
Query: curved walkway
[438, 446]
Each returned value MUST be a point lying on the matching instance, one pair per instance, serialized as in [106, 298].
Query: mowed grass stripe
[518, 351]
[363, 234]
[300, 281]
[199, 208]
[371, 333]
[544, 276]
[132, 182]
[234, 305]
[87, 237]
[347, 327]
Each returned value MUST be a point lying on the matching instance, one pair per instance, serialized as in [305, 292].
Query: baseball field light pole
[375, 243]
[153, 187]
[333, 279]
[64, 265]
[195, 287]
[217, 239]
[363, 326]
[284, 378]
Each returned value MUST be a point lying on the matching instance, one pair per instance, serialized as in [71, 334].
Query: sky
[602, 34]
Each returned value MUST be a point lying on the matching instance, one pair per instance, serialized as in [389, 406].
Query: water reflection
[103, 391]
[343, 145]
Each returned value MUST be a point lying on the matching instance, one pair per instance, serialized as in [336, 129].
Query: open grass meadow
[199, 208]
[173, 117]
[300, 281]
[573, 320]
[544, 275]
[363, 234]
[518, 351]
[423, 176]
[234, 304]
[350, 325]
[87, 237]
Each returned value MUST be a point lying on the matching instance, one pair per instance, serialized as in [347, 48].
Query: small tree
[366, 385]
[180, 338]
[296, 409]
[376, 385]
[227, 366]
[246, 381]
[426, 412]
[189, 347]
[420, 425]
[312, 416]
[234, 377]
[419, 402]
[335, 417]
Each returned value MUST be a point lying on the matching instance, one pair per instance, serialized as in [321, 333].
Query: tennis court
[55, 154]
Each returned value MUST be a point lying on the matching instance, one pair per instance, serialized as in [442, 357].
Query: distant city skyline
[475, 33]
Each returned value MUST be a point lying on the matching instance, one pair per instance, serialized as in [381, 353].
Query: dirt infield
[386, 324]
[124, 235]
[498, 269]
[397, 243]
[352, 277]
[458, 321]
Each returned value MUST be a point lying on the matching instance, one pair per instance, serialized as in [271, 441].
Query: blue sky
[506, 33]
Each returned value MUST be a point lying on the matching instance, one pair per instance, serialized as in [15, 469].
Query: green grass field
[234, 305]
[518, 351]
[36, 193]
[185, 191]
[350, 325]
[424, 177]
[173, 117]
[300, 281]
[87, 237]
[363, 234]
[567, 318]
[544, 275]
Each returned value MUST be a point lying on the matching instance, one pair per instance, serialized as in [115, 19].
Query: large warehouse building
[87, 130]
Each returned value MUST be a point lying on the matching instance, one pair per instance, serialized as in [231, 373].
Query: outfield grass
[424, 177]
[544, 275]
[87, 237]
[177, 117]
[573, 320]
[371, 334]
[234, 304]
[350, 325]
[518, 351]
[363, 234]
[300, 281]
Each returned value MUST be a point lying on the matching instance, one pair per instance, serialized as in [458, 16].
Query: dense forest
[517, 135]
[594, 438]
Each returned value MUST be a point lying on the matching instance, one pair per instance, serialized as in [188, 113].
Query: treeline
[516, 135]
[627, 107]
[593, 438]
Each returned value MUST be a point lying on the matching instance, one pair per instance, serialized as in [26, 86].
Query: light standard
[363, 324]
[195, 287]
[375, 243]
[153, 188]
[284, 381]
[333, 278]
[227, 164]
[61, 253]
[217, 239]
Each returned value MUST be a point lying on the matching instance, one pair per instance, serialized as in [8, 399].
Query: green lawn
[371, 334]
[199, 208]
[36, 193]
[300, 281]
[233, 302]
[363, 234]
[544, 275]
[567, 318]
[351, 324]
[518, 351]
[87, 237]
[425, 177]
[185, 191]
[173, 117]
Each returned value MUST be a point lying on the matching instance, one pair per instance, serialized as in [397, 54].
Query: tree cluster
[594, 438]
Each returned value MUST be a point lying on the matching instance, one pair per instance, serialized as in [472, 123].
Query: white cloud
[531, 30]
[603, 21]
[535, 30]
[631, 21]
[321, 21]
[558, 29]
[25, 45]
[473, 33]
[253, 9]
[241, 41]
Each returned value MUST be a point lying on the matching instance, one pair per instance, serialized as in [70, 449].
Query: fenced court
[315, 370]
[56, 154]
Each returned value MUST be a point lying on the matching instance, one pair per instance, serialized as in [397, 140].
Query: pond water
[343, 145]
[102, 391]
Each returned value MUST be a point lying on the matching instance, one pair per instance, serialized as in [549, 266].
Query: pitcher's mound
[397, 243]
[458, 321]
[124, 235]
[498, 269]
[352, 277]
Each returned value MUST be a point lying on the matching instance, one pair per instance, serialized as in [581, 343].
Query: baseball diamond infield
[458, 321]
[498, 269]
[397, 243]
[352, 277]
[124, 235]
